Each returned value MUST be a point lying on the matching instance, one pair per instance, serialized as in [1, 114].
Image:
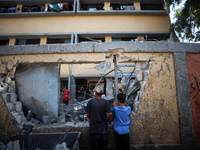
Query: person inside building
[97, 110]
[81, 93]
[121, 122]
[66, 96]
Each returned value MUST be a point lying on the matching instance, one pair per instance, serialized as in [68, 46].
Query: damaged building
[124, 46]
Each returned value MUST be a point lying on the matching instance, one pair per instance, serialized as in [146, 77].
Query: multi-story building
[59, 22]
[83, 37]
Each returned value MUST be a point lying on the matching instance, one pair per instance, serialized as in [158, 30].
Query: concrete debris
[62, 146]
[103, 66]
[3, 147]
[38, 88]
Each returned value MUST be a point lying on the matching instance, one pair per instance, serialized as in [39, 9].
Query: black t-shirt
[98, 109]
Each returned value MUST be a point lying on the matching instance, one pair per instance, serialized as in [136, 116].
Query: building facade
[83, 37]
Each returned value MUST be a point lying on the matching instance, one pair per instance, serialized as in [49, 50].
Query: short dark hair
[99, 94]
[121, 97]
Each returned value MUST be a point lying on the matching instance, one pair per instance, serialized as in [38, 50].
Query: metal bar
[125, 65]
[103, 77]
[125, 72]
[116, 78]
[128, 81]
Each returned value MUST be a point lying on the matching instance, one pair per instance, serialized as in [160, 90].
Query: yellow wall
[85, 24]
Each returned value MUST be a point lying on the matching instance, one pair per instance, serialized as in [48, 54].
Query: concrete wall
[165, 112]
[85, 24]
[193, 63]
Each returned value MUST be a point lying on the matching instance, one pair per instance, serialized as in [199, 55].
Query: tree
[187, 24]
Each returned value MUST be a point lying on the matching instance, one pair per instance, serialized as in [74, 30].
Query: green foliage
[187, 20]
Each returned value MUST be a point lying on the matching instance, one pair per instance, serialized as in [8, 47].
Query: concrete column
[141, 37]
[108, 39]
[106, 5]
[184, 101]
[43, 40]
[19, 8]
[46, 6]
[137, 5]
[12, 41]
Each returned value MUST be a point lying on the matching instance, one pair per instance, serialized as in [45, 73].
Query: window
[4, 42]
[58, 40]
[27, 41]
[152, 7]
[7, 9]
[94, 7]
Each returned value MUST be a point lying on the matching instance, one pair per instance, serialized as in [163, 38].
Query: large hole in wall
[37, 97]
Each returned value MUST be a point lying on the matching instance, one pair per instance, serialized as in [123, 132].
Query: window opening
[4, 42]
[37, 8]
[58, 40]
[89, 7]
[27, 41]
[122, 7]
[60, 7]
[7, 9]
[152, 7]
[88, 39]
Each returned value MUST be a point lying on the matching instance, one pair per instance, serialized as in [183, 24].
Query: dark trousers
[99, 141]
[122, 141]
[65, 101]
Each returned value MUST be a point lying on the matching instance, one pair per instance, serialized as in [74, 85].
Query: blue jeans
[99, 141]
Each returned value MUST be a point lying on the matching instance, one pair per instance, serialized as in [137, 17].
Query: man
[99, 114]
[81, 94]
[66, 96]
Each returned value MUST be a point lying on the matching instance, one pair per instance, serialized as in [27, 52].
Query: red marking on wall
[193, 63]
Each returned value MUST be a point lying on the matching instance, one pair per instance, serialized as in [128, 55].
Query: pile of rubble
[15, 107]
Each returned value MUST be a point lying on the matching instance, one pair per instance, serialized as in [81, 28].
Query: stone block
[18, 106]
[3, 69]
[61, 118]
[9, 97]
[10, 106]
[17, 117]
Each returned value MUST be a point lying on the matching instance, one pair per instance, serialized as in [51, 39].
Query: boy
[121, 122]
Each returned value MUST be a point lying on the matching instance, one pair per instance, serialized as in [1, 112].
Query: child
[121, 122]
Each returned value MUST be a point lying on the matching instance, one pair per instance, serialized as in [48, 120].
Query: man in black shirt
[99, 114]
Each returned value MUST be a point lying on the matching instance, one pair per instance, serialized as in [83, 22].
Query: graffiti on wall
[193, 62]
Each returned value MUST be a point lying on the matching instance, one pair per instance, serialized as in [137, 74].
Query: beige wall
[85, 24]
[85, 69]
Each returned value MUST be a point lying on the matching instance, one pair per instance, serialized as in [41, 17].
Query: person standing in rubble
[99, 114]
[66, 96]
[81, 94]
[121, 122]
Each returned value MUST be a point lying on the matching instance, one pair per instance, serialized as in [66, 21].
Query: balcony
[99, 37]
[28, 8]
[116, 7]
[36, 39]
